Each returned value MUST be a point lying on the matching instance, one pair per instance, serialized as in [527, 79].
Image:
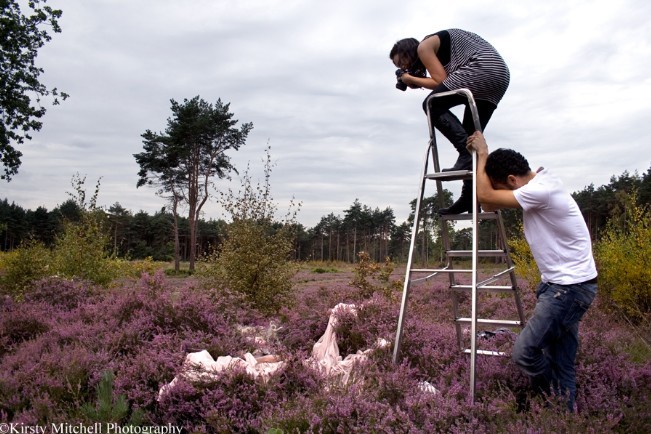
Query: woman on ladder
[454, 59]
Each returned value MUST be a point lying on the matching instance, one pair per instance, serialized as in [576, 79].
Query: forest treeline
[335, 238]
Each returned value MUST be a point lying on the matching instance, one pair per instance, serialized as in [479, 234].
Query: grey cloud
[316, 81]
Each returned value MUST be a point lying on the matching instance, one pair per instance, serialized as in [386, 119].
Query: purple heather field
[56, 345]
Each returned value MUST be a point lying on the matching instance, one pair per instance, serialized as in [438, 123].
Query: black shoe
[463, 204]
[464, 162]
[522, 403]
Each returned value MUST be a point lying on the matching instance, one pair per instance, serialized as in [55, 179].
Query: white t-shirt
[555, 230]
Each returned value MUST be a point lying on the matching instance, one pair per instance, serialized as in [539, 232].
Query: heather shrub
[18, 326]
[349, 337]
[623, 256]
[255, 258]
[231, 402]
[59, 342]
[301, 328]
[61, 373]
[59, 292]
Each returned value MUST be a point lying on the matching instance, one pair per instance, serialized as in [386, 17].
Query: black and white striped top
[473, 63]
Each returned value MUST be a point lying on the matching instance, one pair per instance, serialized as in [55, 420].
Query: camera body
[415, 72]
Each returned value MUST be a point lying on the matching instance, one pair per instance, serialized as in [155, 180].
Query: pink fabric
[325, 358]
[325, 352]
[200, 366]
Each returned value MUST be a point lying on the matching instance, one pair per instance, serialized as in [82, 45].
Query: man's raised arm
[491, 197]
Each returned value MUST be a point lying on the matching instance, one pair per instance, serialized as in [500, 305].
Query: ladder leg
[410, 258]
[475, 248]
[457, 325]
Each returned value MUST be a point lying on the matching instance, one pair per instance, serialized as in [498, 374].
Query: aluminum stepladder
[411, 273]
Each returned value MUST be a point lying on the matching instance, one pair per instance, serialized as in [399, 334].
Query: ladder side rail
[443, 229]
[410, 258]
[475, 247]
[444, 225]
[473, 328]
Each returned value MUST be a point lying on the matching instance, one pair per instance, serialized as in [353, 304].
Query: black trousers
[440, 105]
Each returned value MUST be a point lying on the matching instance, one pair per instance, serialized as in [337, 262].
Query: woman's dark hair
[504, 162]
[407, 49]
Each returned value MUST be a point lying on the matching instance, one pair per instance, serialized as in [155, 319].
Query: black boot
[464, 162]
[463, 204]
[451, 128]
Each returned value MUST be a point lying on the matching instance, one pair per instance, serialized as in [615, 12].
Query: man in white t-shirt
[560, 242]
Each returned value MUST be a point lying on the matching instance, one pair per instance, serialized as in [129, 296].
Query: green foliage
[109, 408]
[21, 36]
[22, 266]
[183, 161]
[180, 273]
[321, 270]
[623, 258]
[598, 205]
[371, 277]
[81, 250]
[254, 260]
[525, 265]
[134, 268]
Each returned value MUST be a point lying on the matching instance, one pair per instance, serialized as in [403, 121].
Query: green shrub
[23, 266]
[255, 261]
[109, 408]
[623, 256]
[181, 273]
[81, 250]
[255, 258]
[525, 264]
[370, 277]
[136, 267]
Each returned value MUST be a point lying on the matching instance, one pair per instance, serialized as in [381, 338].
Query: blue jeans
[547, 346]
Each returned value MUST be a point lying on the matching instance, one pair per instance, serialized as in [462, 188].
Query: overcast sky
[315, 80]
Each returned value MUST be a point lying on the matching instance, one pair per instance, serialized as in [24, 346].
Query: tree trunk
[177, 244]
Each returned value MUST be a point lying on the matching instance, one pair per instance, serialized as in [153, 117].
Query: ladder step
[441, 270]
[480, 253]
[450, 176]
[494, 322]
[486, 352]
[493, 288]
[468, 216]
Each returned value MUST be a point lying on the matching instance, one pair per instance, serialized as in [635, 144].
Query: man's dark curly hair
[504, 162]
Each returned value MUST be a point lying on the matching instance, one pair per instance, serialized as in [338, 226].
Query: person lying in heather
[560, 243]
[325, 358]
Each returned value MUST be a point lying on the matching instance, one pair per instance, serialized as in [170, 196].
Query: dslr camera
[415, 72]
